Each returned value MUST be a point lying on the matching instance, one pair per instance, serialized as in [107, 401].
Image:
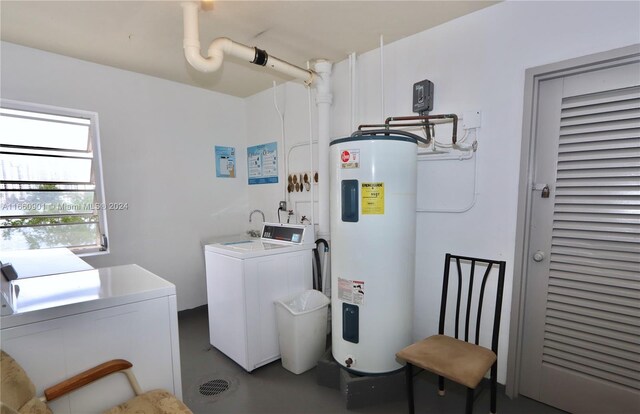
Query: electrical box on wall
[471, 119]
[423, 96]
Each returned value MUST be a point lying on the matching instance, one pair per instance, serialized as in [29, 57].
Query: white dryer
[244, 279]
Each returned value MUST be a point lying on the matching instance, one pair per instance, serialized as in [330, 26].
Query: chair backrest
[474, 298]
[17, 392]
[16, 387]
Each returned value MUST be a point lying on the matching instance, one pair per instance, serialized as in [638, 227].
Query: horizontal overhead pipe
[320, 78]
[223, 46]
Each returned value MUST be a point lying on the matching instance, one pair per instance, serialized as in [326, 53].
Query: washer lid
[253, 248]
[252, 245]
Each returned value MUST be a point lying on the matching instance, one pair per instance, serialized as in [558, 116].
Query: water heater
[373, 221]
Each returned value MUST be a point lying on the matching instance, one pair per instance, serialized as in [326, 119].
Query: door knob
[538, 256]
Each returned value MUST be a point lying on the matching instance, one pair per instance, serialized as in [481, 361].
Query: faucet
[256, 211]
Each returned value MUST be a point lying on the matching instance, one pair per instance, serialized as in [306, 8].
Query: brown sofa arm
[91, 375]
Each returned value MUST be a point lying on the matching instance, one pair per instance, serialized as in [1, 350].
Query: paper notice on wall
[262, 164]
[351, 291]
[372, 198]
[225, 162]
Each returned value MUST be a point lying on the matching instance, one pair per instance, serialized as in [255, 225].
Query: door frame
[533, 77]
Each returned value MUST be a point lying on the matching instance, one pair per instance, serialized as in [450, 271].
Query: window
[50, 179]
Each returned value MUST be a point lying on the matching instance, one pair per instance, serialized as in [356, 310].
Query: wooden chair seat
[456, 360]
[459, 357]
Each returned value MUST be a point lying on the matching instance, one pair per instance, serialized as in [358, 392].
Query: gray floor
[272, 389]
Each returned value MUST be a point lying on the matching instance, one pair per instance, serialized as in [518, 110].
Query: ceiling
[146, 36]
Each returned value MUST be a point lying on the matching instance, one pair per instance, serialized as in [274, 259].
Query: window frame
[96, 168]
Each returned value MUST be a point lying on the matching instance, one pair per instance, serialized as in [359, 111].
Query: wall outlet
[282, 206]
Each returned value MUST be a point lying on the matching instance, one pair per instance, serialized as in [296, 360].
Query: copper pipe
[454, 117]
[372, 126]
[397, 125]
[421, 117]
[387, 124]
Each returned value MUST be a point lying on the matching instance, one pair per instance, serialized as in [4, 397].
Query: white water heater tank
[373, 221]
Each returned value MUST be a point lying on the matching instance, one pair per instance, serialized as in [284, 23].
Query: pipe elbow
[195, 59]
[220, 46]
[322, 79]
[215, 54]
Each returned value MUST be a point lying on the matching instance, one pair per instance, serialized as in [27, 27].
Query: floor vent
[214, 387]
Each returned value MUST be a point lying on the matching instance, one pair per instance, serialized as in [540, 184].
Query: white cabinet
[119, 312]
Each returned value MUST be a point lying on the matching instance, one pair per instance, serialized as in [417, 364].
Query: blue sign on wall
[262, 163]
[225, 162]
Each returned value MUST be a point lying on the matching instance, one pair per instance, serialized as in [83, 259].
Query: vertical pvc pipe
[352, 73]
[312, 195]
[323, 101]
[281, 116]
[382, 116]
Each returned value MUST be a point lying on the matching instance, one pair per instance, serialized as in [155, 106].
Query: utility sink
[249, 235]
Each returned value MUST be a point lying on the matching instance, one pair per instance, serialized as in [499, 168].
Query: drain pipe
[323, 101]
[320, 78]
[223, 46]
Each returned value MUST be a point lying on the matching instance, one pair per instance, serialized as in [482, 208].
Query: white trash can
[302, 330]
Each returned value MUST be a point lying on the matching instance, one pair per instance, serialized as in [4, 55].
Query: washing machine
[244, 279]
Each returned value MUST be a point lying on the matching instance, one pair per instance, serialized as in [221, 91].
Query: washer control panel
[289, 233]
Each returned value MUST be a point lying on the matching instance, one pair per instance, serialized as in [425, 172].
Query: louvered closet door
[581, 342]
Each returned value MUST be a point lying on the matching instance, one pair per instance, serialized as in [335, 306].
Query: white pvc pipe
[321, 79]
[382, 77]
[281, 116]
[282, 66]
[223, 46]
[312, 213]
[323, 101]
[311, 184]
[352, 77]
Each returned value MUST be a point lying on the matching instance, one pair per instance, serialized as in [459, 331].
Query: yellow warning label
[372, 198]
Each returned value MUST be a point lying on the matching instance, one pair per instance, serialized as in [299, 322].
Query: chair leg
[408, 370]
[494, 387]
[470, 395]
[441, 391]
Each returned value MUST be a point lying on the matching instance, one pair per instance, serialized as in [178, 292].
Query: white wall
[264, 126]
[157, 140]
[477, 62]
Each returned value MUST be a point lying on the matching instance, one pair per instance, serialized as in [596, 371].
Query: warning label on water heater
[350, 158]
[351, 291]
[372, 195]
